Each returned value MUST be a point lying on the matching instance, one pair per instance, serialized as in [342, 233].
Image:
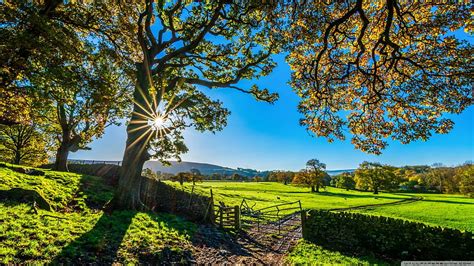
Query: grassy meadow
[455, 211]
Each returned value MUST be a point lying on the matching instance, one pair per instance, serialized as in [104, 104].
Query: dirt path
[259, 245]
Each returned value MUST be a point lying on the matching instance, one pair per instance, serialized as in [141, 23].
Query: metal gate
[274, 220]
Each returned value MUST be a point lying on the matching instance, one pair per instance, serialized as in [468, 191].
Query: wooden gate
[227, 217]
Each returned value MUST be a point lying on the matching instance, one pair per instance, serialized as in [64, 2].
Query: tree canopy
[386, 69]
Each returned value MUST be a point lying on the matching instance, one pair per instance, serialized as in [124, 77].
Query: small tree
[317, 173]
[374, 176]
[344, 180]
[81, 101]
[196, 175]
[22, 144]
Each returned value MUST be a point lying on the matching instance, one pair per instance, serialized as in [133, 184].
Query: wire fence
[72, 161]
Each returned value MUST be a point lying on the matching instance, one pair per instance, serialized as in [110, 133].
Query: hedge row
[386, 237]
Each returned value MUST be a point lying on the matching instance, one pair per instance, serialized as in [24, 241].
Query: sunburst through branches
[156, 116]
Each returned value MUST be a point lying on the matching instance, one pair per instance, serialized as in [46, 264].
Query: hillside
[209, 169]
[76, 230]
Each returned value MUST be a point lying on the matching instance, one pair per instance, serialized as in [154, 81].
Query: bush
[387, 237]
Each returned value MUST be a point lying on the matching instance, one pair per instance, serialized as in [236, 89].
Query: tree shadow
[101, 243]
[450, 202]
[343, 195]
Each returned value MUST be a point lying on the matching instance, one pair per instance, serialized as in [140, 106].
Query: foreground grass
[455, 211]
[80, 232]
[306, 253]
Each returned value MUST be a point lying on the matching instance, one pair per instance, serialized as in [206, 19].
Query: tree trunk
[127, 195]
[312, 189]
[61, 157]
[317, 188]
[376, 190]
[17, 158]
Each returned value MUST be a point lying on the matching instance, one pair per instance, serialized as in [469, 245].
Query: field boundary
[403, 201]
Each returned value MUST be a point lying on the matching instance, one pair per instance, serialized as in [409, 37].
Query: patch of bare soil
[263, 244]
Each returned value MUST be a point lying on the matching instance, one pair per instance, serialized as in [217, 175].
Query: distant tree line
[369, 176]
[436, 178]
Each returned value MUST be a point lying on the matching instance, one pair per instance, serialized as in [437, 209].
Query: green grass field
[264, 194]
[455, 211]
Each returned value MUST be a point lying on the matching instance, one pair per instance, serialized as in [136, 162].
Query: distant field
[265, 194]
[455, 211]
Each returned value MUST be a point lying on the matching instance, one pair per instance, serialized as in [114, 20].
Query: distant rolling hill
[204, 168]
[208, 169]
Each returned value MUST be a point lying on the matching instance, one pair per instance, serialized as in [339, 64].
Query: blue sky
[266, 137]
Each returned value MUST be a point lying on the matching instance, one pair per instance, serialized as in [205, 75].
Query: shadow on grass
[451, 202]
[101, 243]
[344, 195]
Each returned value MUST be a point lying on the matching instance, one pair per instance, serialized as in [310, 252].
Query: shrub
[387, 237]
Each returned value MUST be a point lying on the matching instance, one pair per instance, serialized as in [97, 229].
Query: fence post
[221, 216]
[303, 222]
[237, 217]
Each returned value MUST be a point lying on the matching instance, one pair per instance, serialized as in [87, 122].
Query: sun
[157, 123]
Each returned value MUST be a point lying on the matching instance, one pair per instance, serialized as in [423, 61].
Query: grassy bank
[78, 231]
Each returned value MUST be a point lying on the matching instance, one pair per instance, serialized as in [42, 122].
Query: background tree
[182, 177]
[179, 55]
[390, 69]
[22, 144]
[374, 176]
[284, 177]
[344, 180]
[81, 98]
[316, 171]
[150, 174]
[304, 178]
[466, 180]
[196, 175]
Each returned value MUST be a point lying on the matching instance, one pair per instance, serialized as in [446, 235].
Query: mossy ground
[80, 232]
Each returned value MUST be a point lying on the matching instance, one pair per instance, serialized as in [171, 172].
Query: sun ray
[140, 121]
[142, 93]
[146, 143]
[141, 136]
[144, 109]
[138, 128]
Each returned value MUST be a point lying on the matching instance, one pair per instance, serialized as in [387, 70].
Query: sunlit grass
[81, 234]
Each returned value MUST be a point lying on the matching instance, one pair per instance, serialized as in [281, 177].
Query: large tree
[80, 99]
[379, 70]
[187, 47]
[40, 34]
